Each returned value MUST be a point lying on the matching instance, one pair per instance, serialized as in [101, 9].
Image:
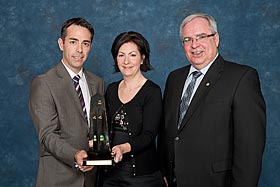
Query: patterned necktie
[79, 92]
[186, 97]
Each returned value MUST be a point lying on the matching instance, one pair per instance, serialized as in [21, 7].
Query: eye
[120, 55]
[87, 44]
[72, 42]
[187, 39]
[133, 55]
[200, 37]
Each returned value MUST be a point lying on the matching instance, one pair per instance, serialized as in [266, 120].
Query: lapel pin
[208, 84]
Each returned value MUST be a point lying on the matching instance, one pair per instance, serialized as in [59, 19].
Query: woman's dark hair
[76, 21]
[139, 40]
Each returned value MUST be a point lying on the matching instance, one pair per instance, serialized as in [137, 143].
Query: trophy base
[98, 163]
[98, 159]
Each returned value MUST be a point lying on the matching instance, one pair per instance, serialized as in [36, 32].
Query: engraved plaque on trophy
[99, 150]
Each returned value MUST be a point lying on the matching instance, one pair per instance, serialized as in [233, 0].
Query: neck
[73, 69]
[131, 83]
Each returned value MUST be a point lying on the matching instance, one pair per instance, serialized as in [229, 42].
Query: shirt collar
[71, 73]
[203, 70]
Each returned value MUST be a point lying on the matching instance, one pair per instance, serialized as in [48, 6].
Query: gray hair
[212, 22]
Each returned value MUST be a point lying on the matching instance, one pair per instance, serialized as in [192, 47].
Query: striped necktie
[80, 94]
[186, 97]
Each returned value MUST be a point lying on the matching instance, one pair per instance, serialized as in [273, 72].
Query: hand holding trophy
[99, 148]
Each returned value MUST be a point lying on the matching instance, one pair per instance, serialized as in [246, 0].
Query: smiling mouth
[78, 57]
[127, 67]
[196, 52]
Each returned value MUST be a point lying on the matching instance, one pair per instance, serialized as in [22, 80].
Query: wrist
[125, 148]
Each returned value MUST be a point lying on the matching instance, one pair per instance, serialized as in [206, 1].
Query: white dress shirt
[198, 80]
[84, 87]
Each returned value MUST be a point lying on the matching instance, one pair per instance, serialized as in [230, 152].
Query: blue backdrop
[249, 34]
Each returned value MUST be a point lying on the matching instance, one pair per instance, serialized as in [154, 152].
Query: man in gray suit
[59, 116]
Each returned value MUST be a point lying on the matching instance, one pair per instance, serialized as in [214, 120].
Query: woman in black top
[134, 109]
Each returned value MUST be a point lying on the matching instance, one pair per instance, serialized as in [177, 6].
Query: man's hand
[80, 156]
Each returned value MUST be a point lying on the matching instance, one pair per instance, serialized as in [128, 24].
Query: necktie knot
[76, 78]
[196, 74]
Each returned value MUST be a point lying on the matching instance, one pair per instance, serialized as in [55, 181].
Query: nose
[79, 48]
[194, 43]
[126, 61]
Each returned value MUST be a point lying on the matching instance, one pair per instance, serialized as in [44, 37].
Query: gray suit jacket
[61, 126]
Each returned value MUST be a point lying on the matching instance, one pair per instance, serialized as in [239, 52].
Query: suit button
[176, 138]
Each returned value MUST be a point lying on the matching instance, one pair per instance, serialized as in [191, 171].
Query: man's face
[75, 47]
[200, 52]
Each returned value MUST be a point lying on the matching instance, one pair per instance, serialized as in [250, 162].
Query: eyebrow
[201, 34]
[129, 52]
[78, 40]
[197, 35]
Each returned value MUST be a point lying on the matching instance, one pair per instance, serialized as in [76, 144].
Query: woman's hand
[119, 150]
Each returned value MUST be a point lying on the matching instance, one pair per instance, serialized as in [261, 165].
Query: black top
[119, 124]
[143, 115]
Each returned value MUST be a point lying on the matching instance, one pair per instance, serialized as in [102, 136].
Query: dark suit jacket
[61, 126]
[221, 140]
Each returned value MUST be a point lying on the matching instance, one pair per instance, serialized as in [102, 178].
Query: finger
[84, 154]
[86, 168]
[90, 143]
[117, 159]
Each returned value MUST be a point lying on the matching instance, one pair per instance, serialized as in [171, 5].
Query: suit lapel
[69, 87]
[91, 83]
[209, 80]
[179, 89]
[172, 97]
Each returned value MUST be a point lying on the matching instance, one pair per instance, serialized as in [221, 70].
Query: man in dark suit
[219, 140]
[59, 116]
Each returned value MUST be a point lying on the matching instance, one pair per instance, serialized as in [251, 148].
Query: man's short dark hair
[76, 21]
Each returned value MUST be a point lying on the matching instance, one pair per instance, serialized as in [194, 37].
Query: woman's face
[129, 59]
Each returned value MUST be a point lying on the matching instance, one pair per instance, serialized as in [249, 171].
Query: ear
[217, 39]
[60, 43]
[143, 57]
